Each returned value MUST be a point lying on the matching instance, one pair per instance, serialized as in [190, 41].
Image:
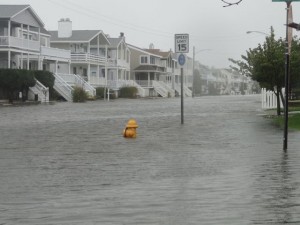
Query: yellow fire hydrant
[130, 129]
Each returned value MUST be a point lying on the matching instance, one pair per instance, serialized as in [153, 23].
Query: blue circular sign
[181, 59]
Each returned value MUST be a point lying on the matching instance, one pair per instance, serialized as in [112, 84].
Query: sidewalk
[18, 103]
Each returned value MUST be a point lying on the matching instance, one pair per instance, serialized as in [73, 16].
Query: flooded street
[67, 164]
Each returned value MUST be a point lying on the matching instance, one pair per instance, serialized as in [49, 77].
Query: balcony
[87, 58]
[117, 63]
[170, 70]
[20, 43]
[55, 52]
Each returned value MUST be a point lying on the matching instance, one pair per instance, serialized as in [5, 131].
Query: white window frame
[144, 57]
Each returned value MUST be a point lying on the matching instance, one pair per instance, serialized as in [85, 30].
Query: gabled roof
[114, 42]
[10, 11]
[142, 50]
[158, 52]
[77, 36]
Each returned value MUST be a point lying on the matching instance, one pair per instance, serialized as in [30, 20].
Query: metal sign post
[181, 46]
[181, 61]
[287, 71]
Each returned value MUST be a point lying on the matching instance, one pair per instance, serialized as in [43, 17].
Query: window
[74, 70]
[152, 60]
[144, 59]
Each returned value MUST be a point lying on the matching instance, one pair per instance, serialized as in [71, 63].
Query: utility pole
[287, 74]
[193, 84]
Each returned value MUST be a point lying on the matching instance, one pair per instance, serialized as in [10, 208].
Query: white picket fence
[269, 99]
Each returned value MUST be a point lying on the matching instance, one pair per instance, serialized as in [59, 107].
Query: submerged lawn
[293, 121]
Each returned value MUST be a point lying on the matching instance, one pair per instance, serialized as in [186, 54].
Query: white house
[25, 43]
[118, 62]
[88, 51]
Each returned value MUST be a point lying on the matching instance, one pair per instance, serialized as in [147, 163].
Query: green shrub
[79, 95]
[128, 92]
[99, 92]
[13, 81]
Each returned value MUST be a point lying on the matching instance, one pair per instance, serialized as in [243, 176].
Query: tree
[266, 65]
[295, 66]
[197, 82]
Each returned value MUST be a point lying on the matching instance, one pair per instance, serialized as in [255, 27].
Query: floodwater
[68, 164]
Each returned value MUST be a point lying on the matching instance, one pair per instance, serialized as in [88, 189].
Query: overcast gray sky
[209, 24]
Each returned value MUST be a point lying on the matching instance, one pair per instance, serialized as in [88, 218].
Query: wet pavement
[69, 164]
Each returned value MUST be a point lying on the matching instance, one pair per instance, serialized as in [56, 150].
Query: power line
[95, 16]
[123, 24]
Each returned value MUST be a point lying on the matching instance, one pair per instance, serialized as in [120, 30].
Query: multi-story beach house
[99, 59]
[25, 43]
[88, 51]
[118, 62]
[157, 71]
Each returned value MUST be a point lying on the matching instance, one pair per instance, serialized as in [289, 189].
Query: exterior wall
[134, 61]
[65, 46]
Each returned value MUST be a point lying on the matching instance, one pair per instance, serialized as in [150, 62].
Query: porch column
[40, 63]
[8, 35]
[148, 79]
[9, 55]
[89, 72]
[27, 36]
[22, 27]
[106, 52]
[98, 47]
[56, 66]
[69, 67]
[39, 35]
[21, 67]
[105, 75]
[98, 74]
[27, 61]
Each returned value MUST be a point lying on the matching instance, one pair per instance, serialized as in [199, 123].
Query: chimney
[121, 34]
[64, 28]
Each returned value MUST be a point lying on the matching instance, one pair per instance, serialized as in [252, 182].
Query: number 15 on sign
[181, 43]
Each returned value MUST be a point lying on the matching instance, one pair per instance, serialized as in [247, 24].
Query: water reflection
[276, 190]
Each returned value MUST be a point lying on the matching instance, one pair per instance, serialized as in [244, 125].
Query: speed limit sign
[181, 43]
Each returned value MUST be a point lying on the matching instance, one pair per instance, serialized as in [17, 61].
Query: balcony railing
[20, 43]
[55, 52]
[88, 58]
[112, 62]
[24, 43]
[97, 81]
[144, 83]
[3, 41]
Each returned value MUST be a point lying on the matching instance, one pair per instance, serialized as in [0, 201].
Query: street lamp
[194, 53]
